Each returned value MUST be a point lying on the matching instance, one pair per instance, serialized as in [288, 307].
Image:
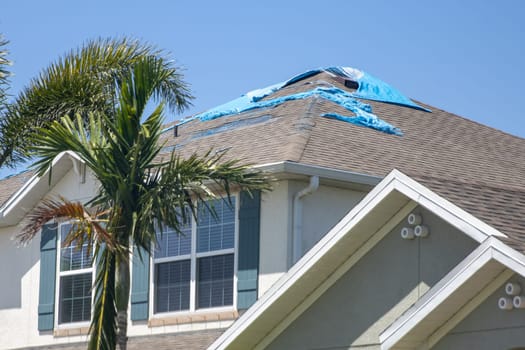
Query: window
[75, 281]
[195, 269]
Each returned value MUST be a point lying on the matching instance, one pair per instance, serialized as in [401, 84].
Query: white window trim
[193, 256]
[59, 274]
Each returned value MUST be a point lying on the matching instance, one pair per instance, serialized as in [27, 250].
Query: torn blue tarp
[244, 104]
[366, 119]
[362, 111]
[369, 88]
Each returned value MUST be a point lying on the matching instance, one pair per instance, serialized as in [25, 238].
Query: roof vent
[351, 84]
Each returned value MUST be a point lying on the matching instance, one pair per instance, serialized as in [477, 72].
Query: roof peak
[368, 88]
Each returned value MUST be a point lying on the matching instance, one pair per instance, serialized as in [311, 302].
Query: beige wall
[321, 211]
[71, 187]
[19, 302]
[275, 235]
[377, 290]
[488, 327]
[407, 273]
[21, 270]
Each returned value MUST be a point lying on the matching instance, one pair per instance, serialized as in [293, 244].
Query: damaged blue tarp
[366, 119]
[369, 88]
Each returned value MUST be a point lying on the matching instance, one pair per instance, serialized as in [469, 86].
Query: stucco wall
[21, 272]
[19, 295]
[321, 210]
[488, 327]
[274, 235]
[377, 290]
[406, 273]
[19, 302]
[72, 188]
[19, 276]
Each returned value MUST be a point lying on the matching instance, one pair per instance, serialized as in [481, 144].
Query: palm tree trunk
[122, 289]
[122, 323]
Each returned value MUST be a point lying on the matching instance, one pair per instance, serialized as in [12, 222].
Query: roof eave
[25, 199]
[289, 169]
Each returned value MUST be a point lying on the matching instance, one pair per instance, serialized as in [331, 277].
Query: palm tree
[137, 190]
[81, 82]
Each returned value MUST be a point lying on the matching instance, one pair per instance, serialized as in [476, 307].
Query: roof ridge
[303, 130]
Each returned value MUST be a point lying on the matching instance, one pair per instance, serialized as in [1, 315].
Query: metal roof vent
[351, 84]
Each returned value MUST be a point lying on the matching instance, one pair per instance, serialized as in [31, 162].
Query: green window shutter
[140, 285]
[248, 254]
[46, 296]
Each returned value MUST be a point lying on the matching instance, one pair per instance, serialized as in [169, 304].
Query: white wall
[72, 188]
[20, 273]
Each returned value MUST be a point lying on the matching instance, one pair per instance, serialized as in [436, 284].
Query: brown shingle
[502, 208]
[11, 184]
[476, 167]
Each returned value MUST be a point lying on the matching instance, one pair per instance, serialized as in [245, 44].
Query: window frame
[193, 257]
[60, 274]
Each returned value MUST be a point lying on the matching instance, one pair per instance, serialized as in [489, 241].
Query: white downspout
[297, 230]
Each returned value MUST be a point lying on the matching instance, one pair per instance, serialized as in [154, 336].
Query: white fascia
[15, 208]
[395, 181]
[293, 168]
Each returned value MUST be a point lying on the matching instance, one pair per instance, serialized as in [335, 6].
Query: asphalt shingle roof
[478, 168]
[11, 184]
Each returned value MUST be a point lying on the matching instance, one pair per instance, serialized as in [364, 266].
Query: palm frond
[4, 72]
[68, 135]
[120, 148]
[85, 80]
[89, 227]
[185, 182]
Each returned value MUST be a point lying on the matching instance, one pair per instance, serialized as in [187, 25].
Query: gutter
[293, 168]
[297, 231]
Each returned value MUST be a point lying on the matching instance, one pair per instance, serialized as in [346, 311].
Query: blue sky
[466, 57]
